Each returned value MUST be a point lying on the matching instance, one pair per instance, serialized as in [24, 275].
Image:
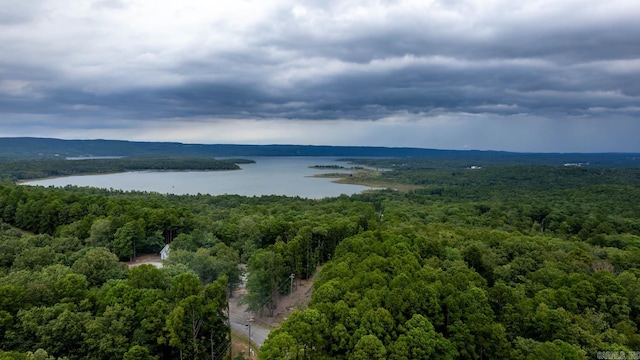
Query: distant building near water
[164, 253]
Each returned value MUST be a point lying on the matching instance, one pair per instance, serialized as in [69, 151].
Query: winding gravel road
[239, 318]
[239, 322]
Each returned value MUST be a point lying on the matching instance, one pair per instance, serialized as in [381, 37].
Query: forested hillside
[496, 262]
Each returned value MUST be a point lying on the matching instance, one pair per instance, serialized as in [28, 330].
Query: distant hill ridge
[12, 148]
[45, 147]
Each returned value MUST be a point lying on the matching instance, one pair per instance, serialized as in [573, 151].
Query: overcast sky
[533, 75]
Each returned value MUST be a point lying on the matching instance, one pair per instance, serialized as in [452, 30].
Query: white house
[164, 253]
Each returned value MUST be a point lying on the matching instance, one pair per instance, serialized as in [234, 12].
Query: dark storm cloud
[326, 60]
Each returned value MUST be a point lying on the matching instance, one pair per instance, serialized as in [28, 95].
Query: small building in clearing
[164, 253]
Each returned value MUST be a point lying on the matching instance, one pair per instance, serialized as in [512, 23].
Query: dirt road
[240, 319]
[262, 325]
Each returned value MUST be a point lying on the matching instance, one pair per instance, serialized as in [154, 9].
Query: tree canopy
[511, 261]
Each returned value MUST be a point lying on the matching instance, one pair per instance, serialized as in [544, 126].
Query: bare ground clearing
[153, 259]
[262, 325]
[285, 305]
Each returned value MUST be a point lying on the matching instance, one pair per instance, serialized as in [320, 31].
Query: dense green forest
[515, 261]
[66, 274]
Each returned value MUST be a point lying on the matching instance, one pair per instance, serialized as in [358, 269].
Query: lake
[290, 176]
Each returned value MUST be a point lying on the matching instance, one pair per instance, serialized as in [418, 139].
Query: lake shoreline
[285, 176]
[25, 181]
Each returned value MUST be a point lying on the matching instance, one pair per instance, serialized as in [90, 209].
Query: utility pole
[249, 326]
[229, 321]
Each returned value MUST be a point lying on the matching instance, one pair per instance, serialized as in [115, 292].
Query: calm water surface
[290, 176]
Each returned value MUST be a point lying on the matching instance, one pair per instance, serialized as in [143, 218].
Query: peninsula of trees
[35, 169]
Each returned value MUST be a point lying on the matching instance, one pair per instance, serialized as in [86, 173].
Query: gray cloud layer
[574, 64]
